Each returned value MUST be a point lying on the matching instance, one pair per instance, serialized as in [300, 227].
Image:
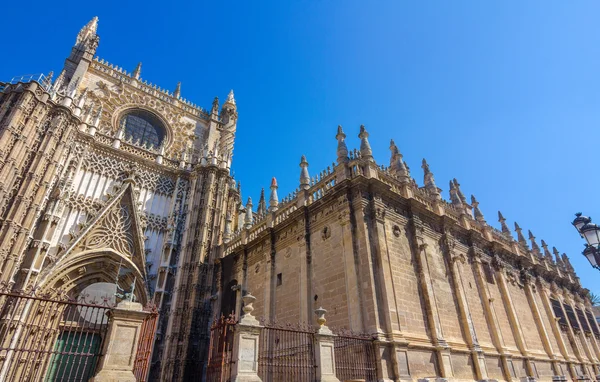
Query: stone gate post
[324, 350]
[121, 343]
[246, 343]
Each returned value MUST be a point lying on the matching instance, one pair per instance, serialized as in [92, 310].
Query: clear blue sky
[503, 95]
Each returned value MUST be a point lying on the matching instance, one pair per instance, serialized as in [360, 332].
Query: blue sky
[502, 95]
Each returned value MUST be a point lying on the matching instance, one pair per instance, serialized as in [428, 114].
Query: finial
[177, 92]
[262, 205]
[365, 147]
[534, 246]
[273, 199]
[248, 218]
[547, 253]
[304, 176]
[230, 98]
[342, 149]
[502, 221]
[87, 32]
[429, 181]
[137, 71]
[476, 211]
[520, 237]
[397, 165]
[97, 117]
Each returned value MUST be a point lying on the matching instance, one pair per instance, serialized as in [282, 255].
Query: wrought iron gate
[354, 356]
[220, 349]
[50, 338]
[144, 350]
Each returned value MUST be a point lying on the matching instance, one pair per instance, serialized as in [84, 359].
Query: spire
[262, 205]
[230, 98]
[534, 246]
[429, 181]
[520, 237]
[97, 117]
[502, 221]
[558, 260]
[248, 217]
[342, 149]
[137, 71]
[476, 211]
[459, 192]
[547, 253]
[177, 92]
[88, 31]
[397, 164]
[273, 199]
[304, 177]
[365, 147]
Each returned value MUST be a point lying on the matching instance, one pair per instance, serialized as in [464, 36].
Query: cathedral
[110, 184]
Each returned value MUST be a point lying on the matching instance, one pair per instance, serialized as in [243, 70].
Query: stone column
[121, 343]
[324, 350]
[244, 367]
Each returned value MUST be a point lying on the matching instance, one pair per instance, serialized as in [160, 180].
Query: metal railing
[354, 356]
[286, 353]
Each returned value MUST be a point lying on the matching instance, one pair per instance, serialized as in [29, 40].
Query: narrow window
[592, 321]
[279, 279]
[558, 313]
[571, 316]
[582, 320]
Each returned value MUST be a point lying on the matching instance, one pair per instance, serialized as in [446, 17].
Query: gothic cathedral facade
[107, 179]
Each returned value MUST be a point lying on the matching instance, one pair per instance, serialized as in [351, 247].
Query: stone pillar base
[113, 376]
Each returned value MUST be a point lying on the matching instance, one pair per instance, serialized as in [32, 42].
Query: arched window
[143, 127]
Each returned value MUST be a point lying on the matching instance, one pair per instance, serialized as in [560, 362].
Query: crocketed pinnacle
[89, 30]
[502, 221]
[137, 71]
[273, 199]
[520, 237]
[557, 258]
[429, 181]
[365, 146]
[476, 211]
[248, 218]
[177, 92]
[304, 176]
[535, 248]
[230, 99]
[547, 253]
[262, 205]
[462, 197]
[567, 263]
[342, 149]
[215, 107]
[454, 195]
[397, 165]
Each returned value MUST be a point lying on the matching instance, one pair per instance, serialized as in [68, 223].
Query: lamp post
[591, 233]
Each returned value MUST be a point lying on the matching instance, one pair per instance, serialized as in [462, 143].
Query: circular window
[143, 128]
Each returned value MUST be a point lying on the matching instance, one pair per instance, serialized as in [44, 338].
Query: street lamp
[591, 233]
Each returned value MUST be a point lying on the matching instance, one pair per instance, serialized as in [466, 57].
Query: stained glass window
[143, 128]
